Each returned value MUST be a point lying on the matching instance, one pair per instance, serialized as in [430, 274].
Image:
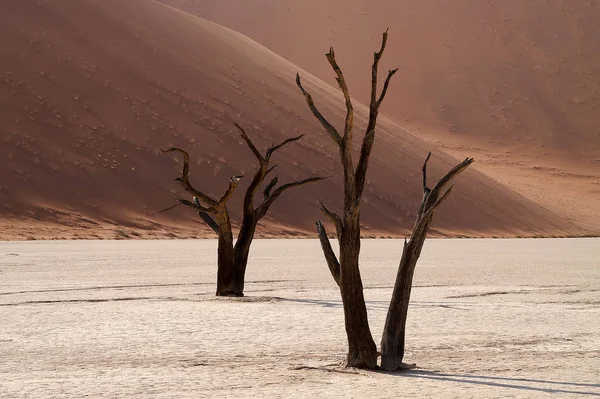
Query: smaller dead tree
[232, 259]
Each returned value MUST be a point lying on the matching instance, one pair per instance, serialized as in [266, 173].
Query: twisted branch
[324, 122]
[184, 179]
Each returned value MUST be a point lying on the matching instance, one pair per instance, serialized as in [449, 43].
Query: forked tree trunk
[394, 332]
[232, 261]
[242, 251]
[226, 285]
[231, 272]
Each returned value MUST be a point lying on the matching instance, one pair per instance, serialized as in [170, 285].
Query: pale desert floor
[489, 318]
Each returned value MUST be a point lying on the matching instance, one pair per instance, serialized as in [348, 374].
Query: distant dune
[93, 89]
[515, 84]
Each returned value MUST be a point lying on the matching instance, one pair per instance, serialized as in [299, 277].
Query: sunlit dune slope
[93, 89]
[498, 71]
[514, 83]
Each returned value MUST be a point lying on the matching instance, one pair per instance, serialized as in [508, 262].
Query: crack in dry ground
[518, 292]
[118, 287]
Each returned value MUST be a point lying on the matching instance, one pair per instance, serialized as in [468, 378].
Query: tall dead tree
[362, 351]
[233, 258]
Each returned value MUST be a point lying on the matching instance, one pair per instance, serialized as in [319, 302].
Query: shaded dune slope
[92, 90]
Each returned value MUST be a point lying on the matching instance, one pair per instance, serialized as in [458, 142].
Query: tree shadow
[370, 304]
[503, 382]
[319, 302]
[337, 303]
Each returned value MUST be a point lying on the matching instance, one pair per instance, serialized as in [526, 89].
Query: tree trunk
[394, 332]
[362, 351]
[226, 276]
[242, 250]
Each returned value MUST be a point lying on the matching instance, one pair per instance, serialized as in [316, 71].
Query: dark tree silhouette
[392, 342]
[362, 351]
[233, 258]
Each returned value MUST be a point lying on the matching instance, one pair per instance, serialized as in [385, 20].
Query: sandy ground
[489, 318]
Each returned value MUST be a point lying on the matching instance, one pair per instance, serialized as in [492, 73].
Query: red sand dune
[514, 83]
[93, 89]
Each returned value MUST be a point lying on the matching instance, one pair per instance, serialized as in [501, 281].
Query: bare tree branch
[363, 163]
[334, 217]
[274, 147]
[202, 212]
[196, 204]
[267, 192]
[332, 261]
[431, 197]
[455, 171]
[375, 67]
[210, 222]
[259, 176]
[257, 180]
[293, 184]
[391, 73]
[233, 182]
[426, 190]
[311, 104]
[425, 219]
[344, 87]
[367, 144]
[169, 208]
[264, 207]
[184, 179]
[250, 144]
[270, 169]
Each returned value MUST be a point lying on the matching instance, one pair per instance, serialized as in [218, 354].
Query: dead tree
[392, 342]
[362, 351]
[233, 258]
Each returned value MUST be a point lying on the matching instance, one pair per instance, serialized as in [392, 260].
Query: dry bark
[393, 339]
[232, 257]
[362, 351]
